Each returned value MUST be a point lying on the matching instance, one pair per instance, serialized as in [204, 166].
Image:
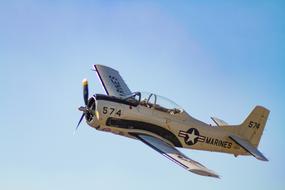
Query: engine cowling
[91, 110]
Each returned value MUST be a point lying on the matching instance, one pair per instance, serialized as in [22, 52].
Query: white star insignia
[191, 137]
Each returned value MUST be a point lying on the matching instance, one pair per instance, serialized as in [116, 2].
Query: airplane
[164, 126]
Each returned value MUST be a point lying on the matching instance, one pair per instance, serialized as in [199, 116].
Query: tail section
[252, 128]
[248, 134]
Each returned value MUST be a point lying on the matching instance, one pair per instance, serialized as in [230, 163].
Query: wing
[112, 82]
[175, 155]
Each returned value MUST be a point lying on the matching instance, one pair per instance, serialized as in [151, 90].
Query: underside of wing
[175, 155]
[112, 82]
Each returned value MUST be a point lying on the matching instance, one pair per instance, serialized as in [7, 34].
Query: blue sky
[214, 58]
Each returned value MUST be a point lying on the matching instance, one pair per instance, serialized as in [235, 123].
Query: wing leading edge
[175, 155]
[112, 81]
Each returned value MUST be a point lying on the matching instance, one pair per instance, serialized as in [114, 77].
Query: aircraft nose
[91, 116]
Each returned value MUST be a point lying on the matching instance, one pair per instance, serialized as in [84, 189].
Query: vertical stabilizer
[252, 128]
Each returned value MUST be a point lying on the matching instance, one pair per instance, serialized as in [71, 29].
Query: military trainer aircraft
[163, 126]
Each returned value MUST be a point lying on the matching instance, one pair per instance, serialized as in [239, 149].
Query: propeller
[85, 91]
[85, 97]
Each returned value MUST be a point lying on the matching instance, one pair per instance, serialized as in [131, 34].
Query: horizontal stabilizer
[248, 147]
[219, 122]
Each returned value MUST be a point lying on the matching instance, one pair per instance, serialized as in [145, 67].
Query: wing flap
[113, 83]
[248, 147]
[175, 155]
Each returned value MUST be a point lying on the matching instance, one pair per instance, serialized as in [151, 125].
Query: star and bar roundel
[191, 136]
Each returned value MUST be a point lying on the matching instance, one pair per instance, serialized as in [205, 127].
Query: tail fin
[252, 128]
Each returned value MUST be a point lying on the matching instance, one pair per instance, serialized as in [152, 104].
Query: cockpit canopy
[154, 101]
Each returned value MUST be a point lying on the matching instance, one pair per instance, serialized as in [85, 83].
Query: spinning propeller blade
[85, 91]
[85, 97]
[82, 116]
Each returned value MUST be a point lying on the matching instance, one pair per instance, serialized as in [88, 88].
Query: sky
[214, 58]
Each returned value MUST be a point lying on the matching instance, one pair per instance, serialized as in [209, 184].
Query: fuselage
[122, 117]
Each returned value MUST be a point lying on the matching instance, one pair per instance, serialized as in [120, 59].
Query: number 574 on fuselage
[162, 125]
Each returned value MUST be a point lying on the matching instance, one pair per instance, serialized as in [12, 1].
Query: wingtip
[94, 67]
[263, 158]
[214, 175]
[217, 176]
[208, 173]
